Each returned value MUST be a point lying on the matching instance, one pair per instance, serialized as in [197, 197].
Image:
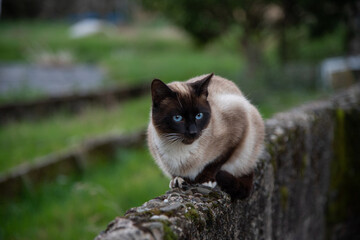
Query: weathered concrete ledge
[28, 175]
[299, 186]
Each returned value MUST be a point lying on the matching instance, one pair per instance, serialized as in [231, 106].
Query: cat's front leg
[177, 182]
[206, 178]
[237, 187]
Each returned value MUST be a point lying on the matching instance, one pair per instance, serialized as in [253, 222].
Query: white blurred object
[338, 72]
[88, 27]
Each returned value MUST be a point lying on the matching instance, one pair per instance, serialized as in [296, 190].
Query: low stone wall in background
[306, 186]
[74, 103]
[27, 176]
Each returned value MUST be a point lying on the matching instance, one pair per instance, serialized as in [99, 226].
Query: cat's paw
[177, 182]
[209, 184]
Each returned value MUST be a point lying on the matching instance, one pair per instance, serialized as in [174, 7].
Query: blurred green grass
[80, 206]
[25, 140]
[18, 39]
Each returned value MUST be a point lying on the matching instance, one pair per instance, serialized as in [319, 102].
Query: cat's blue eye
[177, 118]
[199, 116]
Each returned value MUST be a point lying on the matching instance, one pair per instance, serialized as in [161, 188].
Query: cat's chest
[178, 152]
[181, 159]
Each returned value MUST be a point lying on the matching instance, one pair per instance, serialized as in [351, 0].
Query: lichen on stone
[168, 232]
[284, 197]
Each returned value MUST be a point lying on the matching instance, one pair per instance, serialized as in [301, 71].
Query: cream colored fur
[233, 120]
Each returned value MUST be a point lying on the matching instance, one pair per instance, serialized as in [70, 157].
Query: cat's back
[219, 86]
[225, 98]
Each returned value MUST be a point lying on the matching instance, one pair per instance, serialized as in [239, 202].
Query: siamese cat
[205, 131]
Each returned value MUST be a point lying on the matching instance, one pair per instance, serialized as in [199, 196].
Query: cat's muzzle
[189, 140]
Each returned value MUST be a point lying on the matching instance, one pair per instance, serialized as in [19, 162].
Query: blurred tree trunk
[283, 46]
[288, 18]
[253, 53]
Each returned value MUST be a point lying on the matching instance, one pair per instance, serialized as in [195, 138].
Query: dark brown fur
[237, 187]
[167, 103]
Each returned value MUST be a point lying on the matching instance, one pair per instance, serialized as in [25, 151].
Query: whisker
[173, 137]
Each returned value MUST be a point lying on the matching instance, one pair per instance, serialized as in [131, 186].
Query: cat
[205, 131]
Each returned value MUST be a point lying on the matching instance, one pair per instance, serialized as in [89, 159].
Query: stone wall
[305, 186]
[73, 103]
[28, 175]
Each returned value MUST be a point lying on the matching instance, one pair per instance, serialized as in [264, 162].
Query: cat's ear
[160, 91]
[201, 86]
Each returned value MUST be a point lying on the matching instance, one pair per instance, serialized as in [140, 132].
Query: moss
[214, 195]
[193, 215]
[337, 208]
[168, 232]
[284, 197]
[271, 151]
[215, 204]
[303, 165]
[340, 147]
[155, 211]
[210, 217]
[345, 179]
[190, 205]
[149, 213]
[274, 164]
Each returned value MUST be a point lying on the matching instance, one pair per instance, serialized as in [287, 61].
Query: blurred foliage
[209, 19]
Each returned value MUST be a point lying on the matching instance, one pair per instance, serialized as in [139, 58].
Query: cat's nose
[192, 130]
